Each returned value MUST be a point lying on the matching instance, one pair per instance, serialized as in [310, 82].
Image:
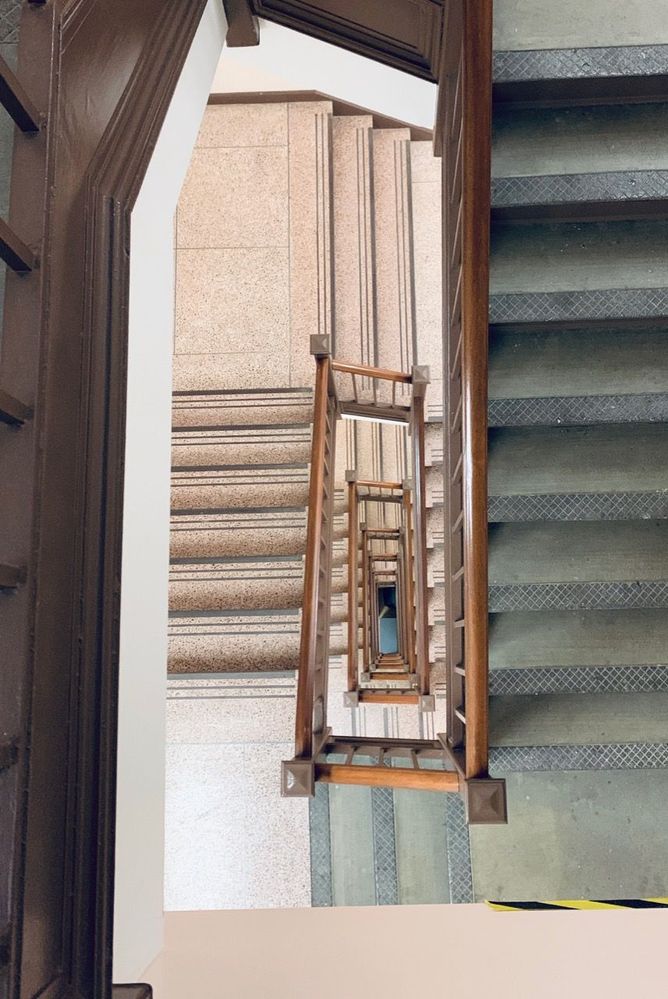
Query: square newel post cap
[407, 485]
[427, 702]
[420, 378]
[351, 475]
[351, 698]
[321, 345]
[297, 778]
[485, 801]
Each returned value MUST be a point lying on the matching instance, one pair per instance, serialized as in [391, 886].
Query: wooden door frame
[114, 66]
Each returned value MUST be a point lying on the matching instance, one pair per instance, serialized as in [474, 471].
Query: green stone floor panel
[584, 834]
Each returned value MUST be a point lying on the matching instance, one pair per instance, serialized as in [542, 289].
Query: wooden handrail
[314, 641]
[420, 541]
[463, 136]
[379, 484]
[353, 584]
[396, 777]
[367, 371]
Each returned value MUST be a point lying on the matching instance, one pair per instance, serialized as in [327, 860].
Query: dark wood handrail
[420, 539]
[368, 371]
[353, 583]
[463, 137]
[314, 641]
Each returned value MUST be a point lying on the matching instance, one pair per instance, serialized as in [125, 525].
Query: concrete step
[578, 566]
[595, 651]
[571, 257]
[551, 77]
[578, 376]
[248, 407]
[586, 197]
[250, 445]
[611, 472]
[536, 144]
[579, 719]
[215, 642]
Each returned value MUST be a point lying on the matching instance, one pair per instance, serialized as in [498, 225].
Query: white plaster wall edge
[289, 60]
[138, 931]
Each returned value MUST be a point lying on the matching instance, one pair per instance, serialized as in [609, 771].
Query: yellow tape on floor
[580, 903]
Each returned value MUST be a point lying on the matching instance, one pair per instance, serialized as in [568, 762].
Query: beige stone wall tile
[230, 371]
[232, 301]
[427, 251]
[227, 125]
[425, 167]
[354, 292]
[235, 197]
[310, 234]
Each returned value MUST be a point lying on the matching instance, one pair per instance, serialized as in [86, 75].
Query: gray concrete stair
[612, 471]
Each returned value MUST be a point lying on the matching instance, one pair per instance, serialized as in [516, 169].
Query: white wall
[143, 640]
[404, 951]
[289, 60]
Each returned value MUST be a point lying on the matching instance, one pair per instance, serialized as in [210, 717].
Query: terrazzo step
[240, 584]
[579, 719]
[610, 472]
[236, 488]
[216, 642]
[241, 445]
[534, 652]
[585, 197]
[578, 376]
[262, 531]
[434, 443]
[434, 483]
[573, 566]
[248, 407]
[553, 77]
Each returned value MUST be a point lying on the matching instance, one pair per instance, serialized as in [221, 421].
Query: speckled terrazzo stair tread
[228, 533]
[241, 408]
[237, 487]
[241, 445]
[237, 642]
[236, 584]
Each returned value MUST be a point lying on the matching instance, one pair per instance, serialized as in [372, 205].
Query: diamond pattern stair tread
[579, 719]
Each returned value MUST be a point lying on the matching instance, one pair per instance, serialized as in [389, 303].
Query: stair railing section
[422, 764]
[462, 137]
[314, 645]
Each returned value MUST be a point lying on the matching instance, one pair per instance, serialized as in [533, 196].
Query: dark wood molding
[340, 108]
[404, 34]
[110, 69]
[243, 28]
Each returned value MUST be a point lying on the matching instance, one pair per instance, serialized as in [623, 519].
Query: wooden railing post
[353, 582]
[420, 381]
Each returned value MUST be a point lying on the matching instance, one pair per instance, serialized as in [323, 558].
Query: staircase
[240, 455]
[578, 450]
